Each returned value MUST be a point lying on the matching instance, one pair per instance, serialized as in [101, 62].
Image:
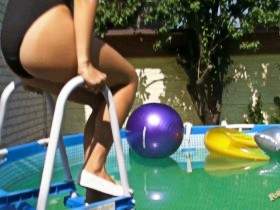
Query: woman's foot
[99, 185]
[94, 195]
[104, 175]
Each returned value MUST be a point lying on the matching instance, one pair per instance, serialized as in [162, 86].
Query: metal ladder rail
[55, 133]
[61, 146]
[7, 92]
[10, 88]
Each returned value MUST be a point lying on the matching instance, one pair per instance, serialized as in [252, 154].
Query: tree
[209, 28]
[117, 14]
[257, 115]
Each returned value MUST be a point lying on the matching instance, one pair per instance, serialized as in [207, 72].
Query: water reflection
[217, 165]
[154, 181]
[164, 184]
[270, 170]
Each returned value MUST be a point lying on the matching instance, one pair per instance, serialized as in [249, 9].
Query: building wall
[139, 43]
[251, 73]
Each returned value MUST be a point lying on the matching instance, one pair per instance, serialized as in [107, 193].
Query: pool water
[164, 184]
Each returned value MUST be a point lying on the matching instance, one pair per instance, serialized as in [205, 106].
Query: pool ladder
[55, 139]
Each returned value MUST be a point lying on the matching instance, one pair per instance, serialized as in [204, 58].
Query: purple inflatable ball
[154, 130]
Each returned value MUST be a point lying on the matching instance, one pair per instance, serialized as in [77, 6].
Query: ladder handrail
[61, 145]
[54, 138]
[117, 138]
[7, 92]
[5, 96]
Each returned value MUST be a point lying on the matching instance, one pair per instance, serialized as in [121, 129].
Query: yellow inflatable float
[232, 143]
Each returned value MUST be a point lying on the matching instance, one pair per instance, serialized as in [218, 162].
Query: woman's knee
[127, 77]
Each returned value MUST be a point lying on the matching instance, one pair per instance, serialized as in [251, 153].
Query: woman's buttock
[19, 20]
[48, 47]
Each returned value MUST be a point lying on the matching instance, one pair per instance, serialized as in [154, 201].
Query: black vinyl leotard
[19, 16]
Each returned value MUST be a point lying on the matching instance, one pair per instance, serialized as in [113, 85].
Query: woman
[46, 43]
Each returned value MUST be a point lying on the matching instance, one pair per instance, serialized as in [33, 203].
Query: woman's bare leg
[123, 82]
[79, 95]
[48, 53]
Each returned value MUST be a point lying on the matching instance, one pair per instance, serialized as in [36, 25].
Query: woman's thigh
[48, 51]
[48, 48]
[79, 95]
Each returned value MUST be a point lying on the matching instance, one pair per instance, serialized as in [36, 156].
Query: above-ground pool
[165, 184]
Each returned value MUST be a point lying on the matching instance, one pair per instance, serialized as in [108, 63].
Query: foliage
[210, 27]
[275, 118]
[256, 115]
[262, 79]
[116, 14]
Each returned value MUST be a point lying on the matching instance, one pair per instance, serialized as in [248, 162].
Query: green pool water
[165, 184]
